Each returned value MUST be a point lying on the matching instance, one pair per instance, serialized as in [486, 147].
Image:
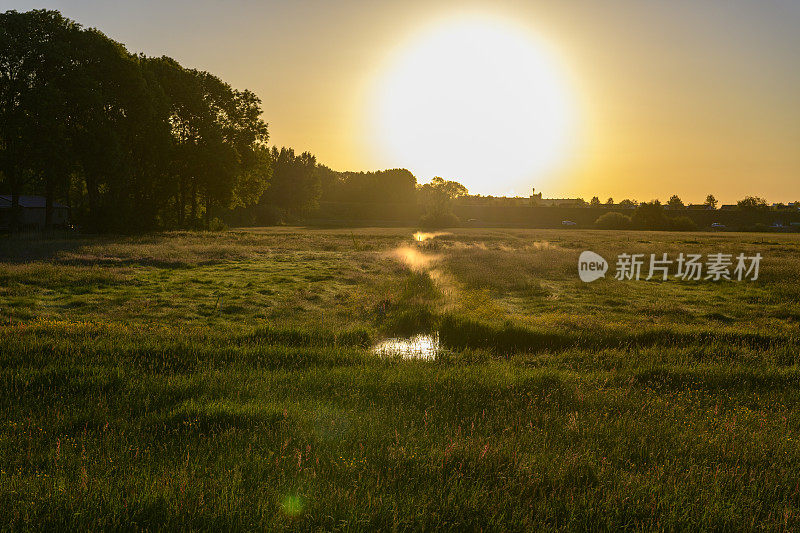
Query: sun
[481, 101]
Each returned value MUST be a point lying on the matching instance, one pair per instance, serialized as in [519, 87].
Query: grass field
[228, 381]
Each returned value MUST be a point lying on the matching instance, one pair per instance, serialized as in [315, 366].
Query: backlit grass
[226, 381]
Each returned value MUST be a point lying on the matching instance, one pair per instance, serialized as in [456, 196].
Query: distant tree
[594, 202]
[610, 202]
[445, 188]
[650, 215]
[752, 203]
[295, 185]
[628, 204]
[711, 201]
[436, 198]
[396, 186]
[675, 202]
[682, 223]
[613, 220]
[254, 178]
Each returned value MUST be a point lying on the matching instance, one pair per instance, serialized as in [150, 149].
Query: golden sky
[686, 97]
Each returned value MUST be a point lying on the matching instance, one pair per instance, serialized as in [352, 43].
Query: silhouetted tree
[752, 203]
[711, 201]
[650, 215]
[436, 198]
[396, 186]
[675, 202]
[613, 220]
[35, 67]
[120, 138]
[436, 195]
[219, 152]
[594, 202]
[295, 186]
[131, 139]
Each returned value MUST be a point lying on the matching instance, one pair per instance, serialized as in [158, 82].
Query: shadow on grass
[462, 333]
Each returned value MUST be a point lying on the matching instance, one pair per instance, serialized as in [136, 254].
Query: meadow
[229, 380]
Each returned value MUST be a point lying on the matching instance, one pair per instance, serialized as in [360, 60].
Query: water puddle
[422, 236]
[416, 347]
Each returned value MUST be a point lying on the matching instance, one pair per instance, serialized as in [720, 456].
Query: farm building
[32, 216]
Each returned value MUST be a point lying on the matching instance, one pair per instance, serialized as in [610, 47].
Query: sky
[665, 96]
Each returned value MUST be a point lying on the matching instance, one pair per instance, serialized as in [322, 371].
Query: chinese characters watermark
[686, 267]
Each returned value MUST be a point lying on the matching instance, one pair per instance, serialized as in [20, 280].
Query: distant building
[537, 200]
[32, 213]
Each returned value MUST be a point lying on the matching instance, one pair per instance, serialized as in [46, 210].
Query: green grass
[226, 381]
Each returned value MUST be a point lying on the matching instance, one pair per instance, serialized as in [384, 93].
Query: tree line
[675, 202]
[134, 143]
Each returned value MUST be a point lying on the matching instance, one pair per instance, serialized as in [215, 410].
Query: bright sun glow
[481, 102]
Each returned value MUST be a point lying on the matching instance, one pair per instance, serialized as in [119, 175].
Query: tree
[594, 202]
[613, 220]
[711, 202]
[35, 57]
[219, 158]
[436, 198]
[120, 137]
[186, 109]
[395, 186]
[610, 202]
[650, 215]
[752, 203]
[675, 202]
[682, 223]
[449, 189]
[295, 186]
[133, 139]
[438, 193]
[628, 204]
[254, 179]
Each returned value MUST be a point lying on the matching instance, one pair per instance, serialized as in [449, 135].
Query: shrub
[761, 227]
[682, 223]
[613, 220]
[217, 225]
[439, 221]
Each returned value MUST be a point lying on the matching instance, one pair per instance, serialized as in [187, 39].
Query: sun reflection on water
[416, 347]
